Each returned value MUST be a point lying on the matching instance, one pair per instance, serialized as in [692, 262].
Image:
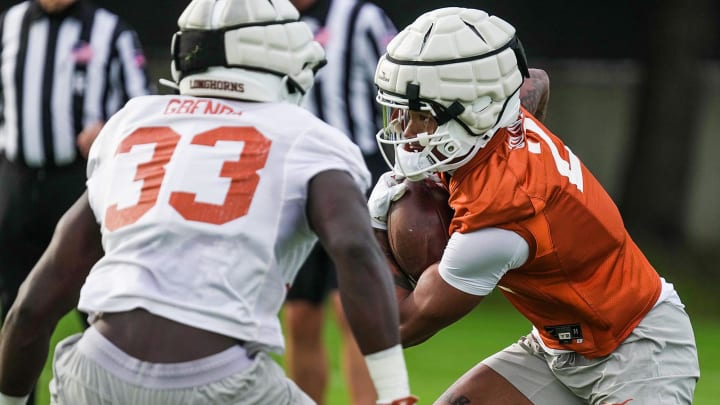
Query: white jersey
[202, 204]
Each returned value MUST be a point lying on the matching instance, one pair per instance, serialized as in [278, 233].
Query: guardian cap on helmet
[254, 50]
[464, 67]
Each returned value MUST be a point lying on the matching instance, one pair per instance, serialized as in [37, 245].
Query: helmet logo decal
[192, 53]
[217, 85]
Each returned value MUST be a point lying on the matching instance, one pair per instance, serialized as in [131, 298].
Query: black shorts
[315, 279]
[31, 203]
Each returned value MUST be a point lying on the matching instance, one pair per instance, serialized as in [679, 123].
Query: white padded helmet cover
[449, 43]
[252, 40]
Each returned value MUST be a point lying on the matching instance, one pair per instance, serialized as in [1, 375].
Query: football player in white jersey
[200, 208]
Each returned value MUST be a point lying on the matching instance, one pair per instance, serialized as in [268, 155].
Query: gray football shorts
[656, 364]
[89, 370]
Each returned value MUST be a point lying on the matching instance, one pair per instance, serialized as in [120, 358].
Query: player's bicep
[338, 215]
[475, 262]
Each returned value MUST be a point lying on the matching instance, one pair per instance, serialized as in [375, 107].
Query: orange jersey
[585, 285]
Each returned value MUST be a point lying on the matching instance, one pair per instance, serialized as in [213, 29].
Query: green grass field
[435, 364]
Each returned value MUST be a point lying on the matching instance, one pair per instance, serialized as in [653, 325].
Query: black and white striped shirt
[354, 34]
[59, 73]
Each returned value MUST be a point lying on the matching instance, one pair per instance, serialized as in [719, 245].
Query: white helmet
[255, 50]
[465, 68]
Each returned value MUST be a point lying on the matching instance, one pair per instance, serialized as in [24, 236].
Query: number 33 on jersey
[207, 163]
[235, 193]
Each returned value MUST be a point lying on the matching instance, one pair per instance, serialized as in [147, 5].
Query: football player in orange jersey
[530, 219]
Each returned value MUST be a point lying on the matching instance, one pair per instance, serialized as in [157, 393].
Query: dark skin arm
[432, 306]
[535, 93]
[338, 213]
[51, 290]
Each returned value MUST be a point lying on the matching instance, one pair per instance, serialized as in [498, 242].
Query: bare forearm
[370, 305]
[25, 336]
[50, 291]
[338, 214]
[432, 306]
[416, 325]
[403, 286]
[22, 356]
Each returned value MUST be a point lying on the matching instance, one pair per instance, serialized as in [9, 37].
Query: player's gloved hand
[390, 187]
[410, 400]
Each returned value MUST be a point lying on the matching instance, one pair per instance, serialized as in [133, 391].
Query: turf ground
[435, 364]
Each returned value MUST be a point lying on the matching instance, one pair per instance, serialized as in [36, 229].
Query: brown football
[418, 226]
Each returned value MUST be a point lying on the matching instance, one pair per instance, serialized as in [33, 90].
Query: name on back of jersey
[204, 106]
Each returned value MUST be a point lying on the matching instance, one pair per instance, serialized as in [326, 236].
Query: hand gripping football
[417, 226]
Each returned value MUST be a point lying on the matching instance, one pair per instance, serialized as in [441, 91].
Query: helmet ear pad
[463, 141]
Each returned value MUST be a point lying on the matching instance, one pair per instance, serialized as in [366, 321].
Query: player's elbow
[416, 331]
[27, 318]
[418, 324]
[348, 246]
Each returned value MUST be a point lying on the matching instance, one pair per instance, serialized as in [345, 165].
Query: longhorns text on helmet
[466, 68]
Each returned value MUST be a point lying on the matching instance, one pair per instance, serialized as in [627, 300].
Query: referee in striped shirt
[354, 34]
[65, 67]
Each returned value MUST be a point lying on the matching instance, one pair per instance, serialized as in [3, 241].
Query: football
[418, 226]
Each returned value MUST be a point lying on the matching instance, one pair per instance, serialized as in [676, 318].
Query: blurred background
[635, 93]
